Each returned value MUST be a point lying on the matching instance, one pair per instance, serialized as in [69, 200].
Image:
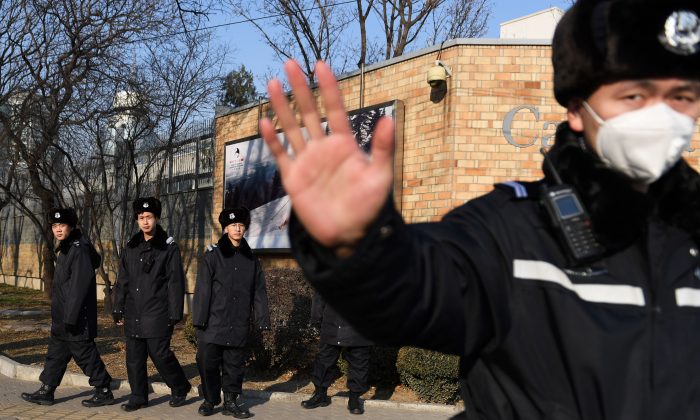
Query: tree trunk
[47, 268]
[108, 304]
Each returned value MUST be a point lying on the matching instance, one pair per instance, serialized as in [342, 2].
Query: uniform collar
[159, 240]
[619, 213]
[228, 249]
[64, 245]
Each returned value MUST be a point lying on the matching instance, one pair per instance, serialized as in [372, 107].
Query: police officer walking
[230, 287]
[73, 314]
[573, 297]
[338, 335]
[149, 302]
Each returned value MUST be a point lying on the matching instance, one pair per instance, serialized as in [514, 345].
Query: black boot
[318, 399]
[43, 395]
[179, 400]
[232, 408]
[102, 396]
[206, 409]
[355, 405]
[133, 406]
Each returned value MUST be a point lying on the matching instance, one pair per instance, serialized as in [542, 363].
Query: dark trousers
[85, 355]
[220, 365]
[358, 366]
[158, 349]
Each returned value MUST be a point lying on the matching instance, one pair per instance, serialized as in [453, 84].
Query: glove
[117, 316]
[262, 328]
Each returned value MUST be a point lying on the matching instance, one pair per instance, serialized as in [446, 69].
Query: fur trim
[76, 238]
[159, 240]
[64, 245]
[620, 213]
[603, 41]
[229, 250]
[146, 204]
[234, 215]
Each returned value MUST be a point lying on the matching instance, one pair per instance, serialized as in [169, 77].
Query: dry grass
[29, 347]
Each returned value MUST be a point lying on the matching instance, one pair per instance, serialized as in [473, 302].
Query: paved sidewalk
[68, 406]
[16, 378]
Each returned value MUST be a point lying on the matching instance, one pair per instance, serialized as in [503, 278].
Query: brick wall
[454, 147]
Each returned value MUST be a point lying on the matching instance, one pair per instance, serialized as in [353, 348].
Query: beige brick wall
[454, 149]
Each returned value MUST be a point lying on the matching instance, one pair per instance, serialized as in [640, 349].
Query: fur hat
[150, 204]
[604, 41]
[234, 215]
[66, 216]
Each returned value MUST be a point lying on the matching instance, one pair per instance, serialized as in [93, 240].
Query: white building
[538, 25]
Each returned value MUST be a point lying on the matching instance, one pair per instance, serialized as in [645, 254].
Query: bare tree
[467, 19]
[56, 53]
[325, 30]
[404, 21]
[132, 136]
[307, 30]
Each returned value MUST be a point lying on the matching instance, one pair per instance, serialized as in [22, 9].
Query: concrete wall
[538, 25]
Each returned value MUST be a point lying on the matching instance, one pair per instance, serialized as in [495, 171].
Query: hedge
[292, 345]
[433, 376]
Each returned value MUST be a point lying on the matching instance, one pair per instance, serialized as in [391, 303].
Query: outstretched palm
[336, 190]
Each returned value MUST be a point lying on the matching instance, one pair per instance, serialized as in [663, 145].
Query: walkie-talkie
[570, 218]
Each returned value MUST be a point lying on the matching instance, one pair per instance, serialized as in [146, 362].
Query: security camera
[438, 74]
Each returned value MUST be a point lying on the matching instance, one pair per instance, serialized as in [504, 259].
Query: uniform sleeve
[121, 289]
[317, 307]
[440, 286]
[176, 283]
[81, 276]
[202, 292]
[260, 306]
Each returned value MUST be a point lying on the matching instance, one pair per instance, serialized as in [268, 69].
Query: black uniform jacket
[618, 338]
[230, 286]
[150, 287]
[334, 329]
[74, 293]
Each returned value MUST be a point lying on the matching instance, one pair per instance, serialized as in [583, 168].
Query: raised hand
[336, 189]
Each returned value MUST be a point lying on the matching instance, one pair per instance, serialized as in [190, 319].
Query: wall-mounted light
[438, 74]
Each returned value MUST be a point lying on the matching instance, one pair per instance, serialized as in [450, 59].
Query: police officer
[149, 302]
[555, 314]
[338, 335]
[73, 314]
[230, 287]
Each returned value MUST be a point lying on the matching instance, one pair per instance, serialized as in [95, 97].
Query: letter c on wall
[508, 123]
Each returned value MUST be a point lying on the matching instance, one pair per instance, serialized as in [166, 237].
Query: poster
[252, 180]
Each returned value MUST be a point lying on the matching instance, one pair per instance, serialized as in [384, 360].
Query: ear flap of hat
[603, 41]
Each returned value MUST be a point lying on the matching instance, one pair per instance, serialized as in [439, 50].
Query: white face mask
[645, 143]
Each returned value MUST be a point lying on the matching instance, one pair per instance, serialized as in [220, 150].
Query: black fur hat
[234, 215]
[150, 204]
[604, 41]
[66, 216]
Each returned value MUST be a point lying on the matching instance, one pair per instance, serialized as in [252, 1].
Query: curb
[16, 370]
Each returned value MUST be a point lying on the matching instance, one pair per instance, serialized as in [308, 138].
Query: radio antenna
[550, 166]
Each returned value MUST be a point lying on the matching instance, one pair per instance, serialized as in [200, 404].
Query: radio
[570, 219]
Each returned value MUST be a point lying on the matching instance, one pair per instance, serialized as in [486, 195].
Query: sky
[248, 48]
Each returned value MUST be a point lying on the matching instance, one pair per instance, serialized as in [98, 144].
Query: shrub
[382, 366]
[190, 332]
[291, 345]
[433, 376]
